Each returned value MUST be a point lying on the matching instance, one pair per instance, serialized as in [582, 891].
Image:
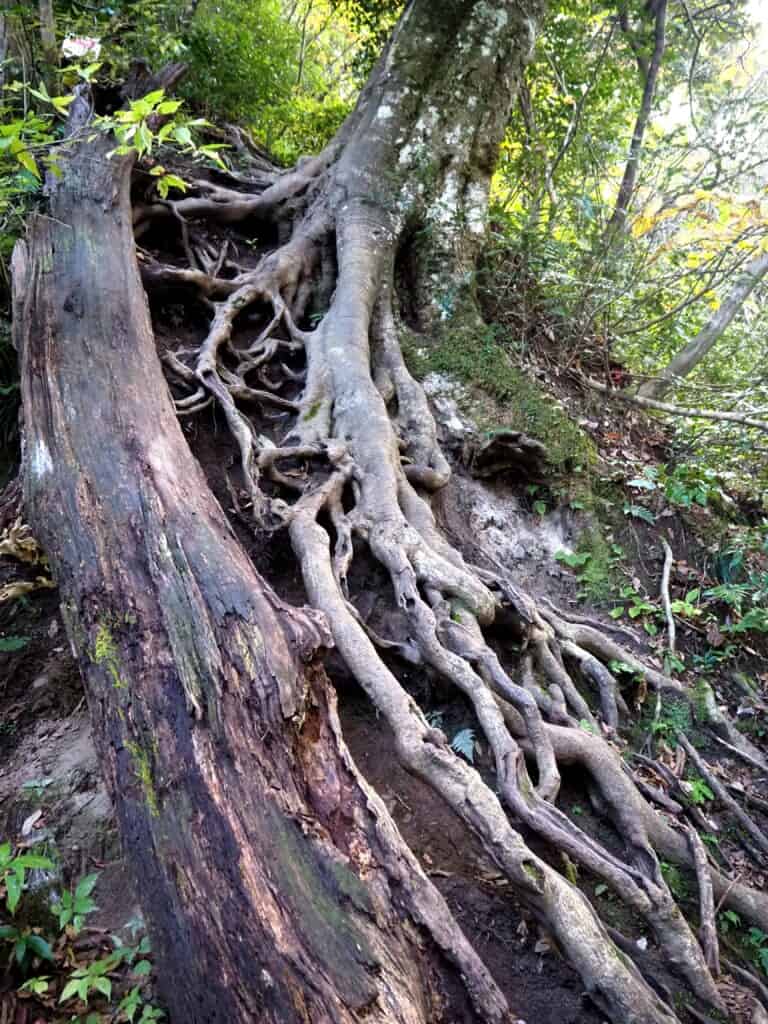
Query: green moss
[500, 395]
[143, 772]
[702, 699]
[313, 411]
[598, 579]
[105, 653]
[535, 873]
[329, 900]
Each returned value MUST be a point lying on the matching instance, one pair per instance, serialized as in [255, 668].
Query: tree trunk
[689, 357]
[649, 71]
[48, 40]
[275, 883]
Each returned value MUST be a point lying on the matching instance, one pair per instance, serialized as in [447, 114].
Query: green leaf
[38, 986]
[13, 643]
[183, 135]
[151, 99]
[464, 743]
[61, 103]
[144, 967]
[639, 512]
[40, 947]
[28, 162]
[13, 886]
[616, 613]
[89, 70]
[34, 860]
[72, 988]
[143, 139]
[103, 985]
[86, 885]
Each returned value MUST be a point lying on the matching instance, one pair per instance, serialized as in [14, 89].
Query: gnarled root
[354, 469]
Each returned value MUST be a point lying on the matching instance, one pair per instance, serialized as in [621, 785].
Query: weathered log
[275, 885]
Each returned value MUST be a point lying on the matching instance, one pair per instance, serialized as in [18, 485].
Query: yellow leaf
[27, 161]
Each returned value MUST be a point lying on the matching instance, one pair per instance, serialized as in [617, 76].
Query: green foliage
[757, 941]
[242, 59]
[699, 791]
[597, 560]
[120, 975]
[73, 907]
[464, 743]
[13, 873]
[93, 978]
[688, 606]
[133, 1003]
[13, 643]
[675, 879]
[26, 944]
[728, 920]
[675, 717]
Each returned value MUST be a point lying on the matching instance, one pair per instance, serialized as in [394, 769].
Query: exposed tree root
[362, 450]
[352, 468]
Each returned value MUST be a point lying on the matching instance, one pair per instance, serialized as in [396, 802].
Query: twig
[756, 801]
[585, 620]
[727, 892]
[740, 753]
[748, 979]
[666, 603]
[708, 930]
[654, 793]
[724, 797]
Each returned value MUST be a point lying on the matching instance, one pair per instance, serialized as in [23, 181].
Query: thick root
[356, 467]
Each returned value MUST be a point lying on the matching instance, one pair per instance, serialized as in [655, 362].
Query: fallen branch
[665, 601]
[676, 410]
[724, 797]
[708, 929]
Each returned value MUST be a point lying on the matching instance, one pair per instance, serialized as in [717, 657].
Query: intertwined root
[355, 466]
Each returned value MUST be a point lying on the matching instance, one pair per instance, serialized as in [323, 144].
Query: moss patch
[500, 396]
[143, 773]
[105, 653]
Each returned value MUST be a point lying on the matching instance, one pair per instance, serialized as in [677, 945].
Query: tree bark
[689, 357]
[274, 883]
[48, 40]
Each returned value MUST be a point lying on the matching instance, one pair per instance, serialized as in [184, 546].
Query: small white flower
[81, 46]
